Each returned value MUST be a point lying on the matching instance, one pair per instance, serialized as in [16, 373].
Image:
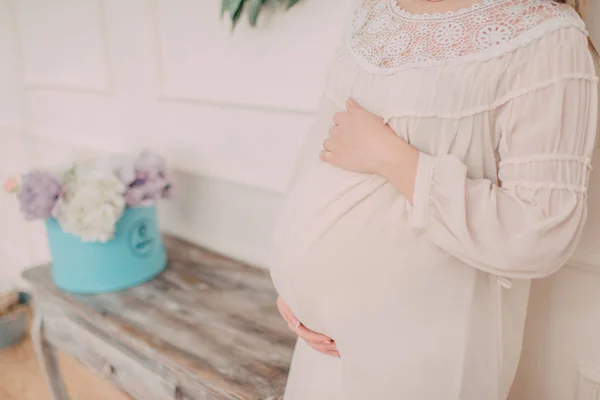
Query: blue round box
[134, 256]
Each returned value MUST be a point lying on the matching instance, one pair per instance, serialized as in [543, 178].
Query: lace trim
[547, 158]
[484, 108]
[385, 39]
[393, 4]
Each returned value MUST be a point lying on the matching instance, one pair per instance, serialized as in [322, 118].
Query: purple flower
[150, 166]
[39, 195]
[145, 193]
[148, 182]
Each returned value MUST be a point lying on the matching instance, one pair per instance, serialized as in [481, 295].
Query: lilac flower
[147, 180]
[150, 166]
[145, 193]
[39, 195]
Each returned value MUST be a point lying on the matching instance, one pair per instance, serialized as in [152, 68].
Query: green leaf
[235, 9]
[235, 6]
[225, 4]
[253, 10]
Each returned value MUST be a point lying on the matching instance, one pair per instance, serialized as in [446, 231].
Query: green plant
[236, 7]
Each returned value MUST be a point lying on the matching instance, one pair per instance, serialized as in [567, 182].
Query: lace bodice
[385, 38]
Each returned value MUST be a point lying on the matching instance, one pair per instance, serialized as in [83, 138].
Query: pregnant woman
[448, 166]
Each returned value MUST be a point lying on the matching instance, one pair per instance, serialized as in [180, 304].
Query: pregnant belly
[344, 255]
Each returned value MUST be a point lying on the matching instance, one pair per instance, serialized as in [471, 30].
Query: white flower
[92, 204]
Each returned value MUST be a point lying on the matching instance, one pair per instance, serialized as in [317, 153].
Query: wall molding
[14, 264]
[103, 89]
[237, 250]
[184, 162]
[163, 94]
[246, 106]
[585, 260]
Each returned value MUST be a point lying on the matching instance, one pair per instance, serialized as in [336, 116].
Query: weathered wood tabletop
[206, 328]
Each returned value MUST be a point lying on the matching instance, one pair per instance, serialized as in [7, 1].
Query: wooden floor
[21, 378]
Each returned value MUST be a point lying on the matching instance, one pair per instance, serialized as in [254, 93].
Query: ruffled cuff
[422, 190]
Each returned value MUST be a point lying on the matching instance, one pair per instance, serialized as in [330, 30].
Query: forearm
[398, 165]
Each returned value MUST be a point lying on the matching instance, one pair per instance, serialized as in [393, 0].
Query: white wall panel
[244, 146]
[13, 229]
[230, 218]
[588, 382]
[11, 101]
[80, 116]
[279, 66]
[563, 327]
[588, 253]
[62, 44]
[14, 151]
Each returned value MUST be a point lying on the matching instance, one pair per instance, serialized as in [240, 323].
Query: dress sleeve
[528, 223]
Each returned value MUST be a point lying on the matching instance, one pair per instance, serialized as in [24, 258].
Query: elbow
[532, 267]
[541, 252]
[537, 259]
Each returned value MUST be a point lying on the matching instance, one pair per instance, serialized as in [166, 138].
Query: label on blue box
[141, 242]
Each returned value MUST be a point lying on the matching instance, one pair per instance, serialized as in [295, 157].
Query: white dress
[428, 302]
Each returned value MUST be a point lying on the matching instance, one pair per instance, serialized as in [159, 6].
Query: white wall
[229, 111]
[13, 150]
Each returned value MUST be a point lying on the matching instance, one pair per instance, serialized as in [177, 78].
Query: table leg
[47, 358]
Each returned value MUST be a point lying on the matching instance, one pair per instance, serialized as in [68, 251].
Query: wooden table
[207, 328]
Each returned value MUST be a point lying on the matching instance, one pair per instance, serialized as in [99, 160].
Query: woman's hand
[362, 142]
[315, 340]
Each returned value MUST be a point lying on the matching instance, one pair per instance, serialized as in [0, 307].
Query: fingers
[315, 340]
[312, 337]
[326, 156]
[352, 105]
[328, 350]
[297, 327]
[335, 131]
[329, 143]
[286, 313]
[339, 118]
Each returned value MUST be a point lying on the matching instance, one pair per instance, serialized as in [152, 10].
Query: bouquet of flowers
[88, 198]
